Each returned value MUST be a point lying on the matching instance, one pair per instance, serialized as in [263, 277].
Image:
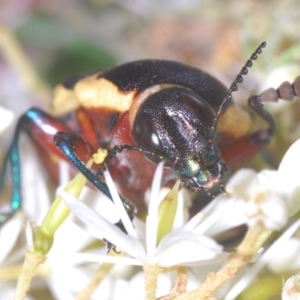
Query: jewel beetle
[145, 112]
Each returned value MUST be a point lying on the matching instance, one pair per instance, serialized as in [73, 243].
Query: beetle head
[176, 125]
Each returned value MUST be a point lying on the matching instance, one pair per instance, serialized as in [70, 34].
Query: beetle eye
[145, 135]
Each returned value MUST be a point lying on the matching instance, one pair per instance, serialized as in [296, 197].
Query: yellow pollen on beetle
[100, 156]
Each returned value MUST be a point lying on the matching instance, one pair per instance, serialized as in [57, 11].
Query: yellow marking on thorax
[92, 92]
[64, 101]
[234, 121]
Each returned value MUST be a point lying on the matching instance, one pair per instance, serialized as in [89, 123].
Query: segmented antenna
[238, 79]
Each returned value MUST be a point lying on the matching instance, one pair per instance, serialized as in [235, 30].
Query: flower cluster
[266, 199]
[166, 244]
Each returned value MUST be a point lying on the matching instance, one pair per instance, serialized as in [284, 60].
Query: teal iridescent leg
[13, 158]
[67, 142]
[41, 128]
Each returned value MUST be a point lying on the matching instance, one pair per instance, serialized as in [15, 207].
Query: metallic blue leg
[64, 141]
[13, 158]
[35, 119]
[31, 117]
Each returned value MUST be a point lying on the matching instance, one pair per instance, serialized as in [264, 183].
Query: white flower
[282, 187]
[269, 254]
[286, 258]
[288, 179]
[270, 196]
[64, 277]
[6, 117]
[291, 288]
[264, 203]
[187, 244]
[180, 247]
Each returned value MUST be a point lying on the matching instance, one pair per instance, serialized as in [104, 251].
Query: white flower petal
[252, 208]
[291, 288]
[289, 169]
[101, 228]
[269, 208]
[184, 248]
[293, 202]
[289, 176]
[241, 184]
[100, 202]
[35, 192]
[9, 234]
[213, 218]
[266, 179]
[136, 288]
[287, 258]
[8, 291]
[140, 228]
[152, 218]
[76, 237]
[111, 288]
[233, 217]
[181, 213]
[64, 173]
[6, 117]
[119, 205]
[66, 281]
[275, 209]
[78, 258]
[29, 230]
[193, 222]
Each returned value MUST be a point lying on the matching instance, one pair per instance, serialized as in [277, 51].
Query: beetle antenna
[238, 79]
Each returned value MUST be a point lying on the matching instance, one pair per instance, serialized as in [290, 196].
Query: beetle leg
[41, 128]
[69, 144]
[119, 148]
[12, 157]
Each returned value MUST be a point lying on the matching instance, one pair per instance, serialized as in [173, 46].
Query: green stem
[58, 212]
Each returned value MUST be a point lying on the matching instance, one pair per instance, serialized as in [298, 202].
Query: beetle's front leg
[71, 144]
[119, 148]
